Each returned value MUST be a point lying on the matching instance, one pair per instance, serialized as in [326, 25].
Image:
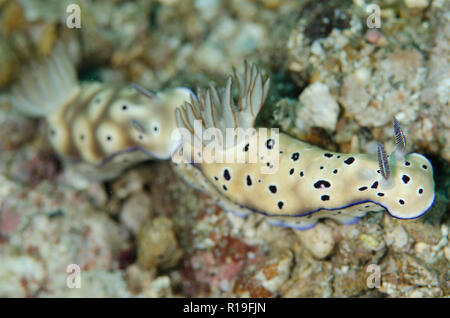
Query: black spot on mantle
[226, 175]
[270, 143]
[273, 188]
[405, 179]
[321, 184]
[249, 180]
[349, 160]
[295, 156]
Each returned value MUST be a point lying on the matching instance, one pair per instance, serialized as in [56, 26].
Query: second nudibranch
[98, 128]
[307, 183]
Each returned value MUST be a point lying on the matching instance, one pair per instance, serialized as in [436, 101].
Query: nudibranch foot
[292, 222]
[351, 221]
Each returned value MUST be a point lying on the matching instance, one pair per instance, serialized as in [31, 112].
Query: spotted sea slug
[99, 128]
[307, 183]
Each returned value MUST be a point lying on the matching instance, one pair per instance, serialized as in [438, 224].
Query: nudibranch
[292, 183]
[99, 128]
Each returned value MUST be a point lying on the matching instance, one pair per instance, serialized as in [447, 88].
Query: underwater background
[337, 79]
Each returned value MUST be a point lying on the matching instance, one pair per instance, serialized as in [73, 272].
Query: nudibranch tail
[47, 85]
